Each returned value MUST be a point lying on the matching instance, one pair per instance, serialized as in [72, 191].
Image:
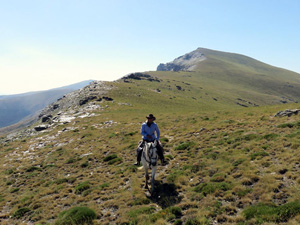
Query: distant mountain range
[15, 108]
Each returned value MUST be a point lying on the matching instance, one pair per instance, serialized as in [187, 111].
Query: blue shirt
[146, 130]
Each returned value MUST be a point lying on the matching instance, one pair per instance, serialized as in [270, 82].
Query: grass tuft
[272, 213]
[76, 216]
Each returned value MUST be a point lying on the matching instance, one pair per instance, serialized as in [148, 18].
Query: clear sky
[51, 43]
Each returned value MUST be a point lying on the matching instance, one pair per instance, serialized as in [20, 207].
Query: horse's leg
[153, 179]
[146, 176]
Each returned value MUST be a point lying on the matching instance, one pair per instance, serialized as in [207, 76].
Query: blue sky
[50, 43]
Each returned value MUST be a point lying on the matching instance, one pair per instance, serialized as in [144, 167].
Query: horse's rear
[149, 160]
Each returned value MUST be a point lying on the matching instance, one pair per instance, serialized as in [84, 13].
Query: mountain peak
[186, 62]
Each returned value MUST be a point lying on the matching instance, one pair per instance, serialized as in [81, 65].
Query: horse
[149, 161]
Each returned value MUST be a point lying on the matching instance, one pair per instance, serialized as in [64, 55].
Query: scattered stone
[41, 127]
[46, 118]
[86, 100]
[241, 104]
[178, 87]
[55, 106]
[287, 112]
[139, 76]
[107, 98]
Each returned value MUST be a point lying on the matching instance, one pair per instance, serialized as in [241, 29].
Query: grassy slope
[246, 76]
[42, 173]
[222, 158]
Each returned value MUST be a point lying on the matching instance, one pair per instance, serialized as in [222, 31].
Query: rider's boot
[161, 155]
[138, 163]
[139, 157]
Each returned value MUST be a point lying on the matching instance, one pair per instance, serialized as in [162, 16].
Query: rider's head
[150, 118]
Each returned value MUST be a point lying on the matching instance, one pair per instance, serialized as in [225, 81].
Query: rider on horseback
[148, 130]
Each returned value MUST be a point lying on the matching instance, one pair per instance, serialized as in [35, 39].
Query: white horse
[149, 160]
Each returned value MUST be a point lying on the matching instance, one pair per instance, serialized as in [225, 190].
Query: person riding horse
[148, 130]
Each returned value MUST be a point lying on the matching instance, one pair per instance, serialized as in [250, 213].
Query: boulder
[46, 118]
[287, 112]
[41, 127]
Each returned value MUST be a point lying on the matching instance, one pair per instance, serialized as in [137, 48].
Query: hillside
[14, 108]
[227, 163]
[237, 76]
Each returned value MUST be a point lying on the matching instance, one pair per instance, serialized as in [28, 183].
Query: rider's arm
[157, 133]
[143, 131]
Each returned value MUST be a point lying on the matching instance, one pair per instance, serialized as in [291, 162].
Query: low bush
[76, 216]
[210, 188]
[289, 125]
[238, 162]
[270, 136]
[185, 145]
[259, 155]
[110, 157]
[272, 213]
[141, 210]
[21, 213]
[116, 160]
[80, 188]
[33, 168]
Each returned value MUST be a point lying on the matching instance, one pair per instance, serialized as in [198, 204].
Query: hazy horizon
[48, 44]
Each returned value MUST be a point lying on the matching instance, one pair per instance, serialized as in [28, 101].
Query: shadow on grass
[165, 194]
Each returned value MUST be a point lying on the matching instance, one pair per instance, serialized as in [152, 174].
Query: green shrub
[164, 140]
[14, 190]
[104, 185]
[273, 213]
[185, 145]
[115, 160]
[173, 175]
[270, 136]
[176, 211]
[82, 187]
[110, 157]
[33, 168]
[65, 180]
[259, 154]
[9, 171]
[247, 137]
[21, 213]
[72, 160]
[141, 201]
[244, 192]
[210, 188]
[218, 177]
[76, 216]
[238, 162]
[141, 210]
[289, 125]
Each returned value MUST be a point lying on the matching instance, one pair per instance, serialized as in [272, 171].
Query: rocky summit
[186, 62]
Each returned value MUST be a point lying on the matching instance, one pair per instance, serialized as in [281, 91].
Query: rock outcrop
[186, 62]
[139, 76]
[287, 112]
